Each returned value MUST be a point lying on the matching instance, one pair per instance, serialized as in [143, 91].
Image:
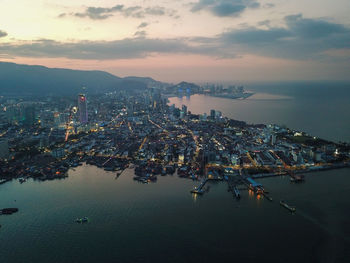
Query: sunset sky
[205, 40]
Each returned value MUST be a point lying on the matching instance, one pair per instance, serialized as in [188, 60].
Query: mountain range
[28, 79]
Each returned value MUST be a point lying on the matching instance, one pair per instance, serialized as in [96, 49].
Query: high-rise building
[82, 106]
[273, 139]
[218, 114]
[56, 119]
[212, 114]
[28, 113]
[184, 109]
[182, 115]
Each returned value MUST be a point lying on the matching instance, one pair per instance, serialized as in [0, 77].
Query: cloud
[98, 13]
[313, 28]
[101, 13]
[255, 36]
[298, 38]
[3, 33]
[225, 8]
[143, 25]
[61, 15]
[268, 5]
[133, 11]
[156, 11]
[301, 38]
[264, 23]
[140, 34]
[137, 47]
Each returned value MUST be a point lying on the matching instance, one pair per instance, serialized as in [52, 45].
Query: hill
[27, 79]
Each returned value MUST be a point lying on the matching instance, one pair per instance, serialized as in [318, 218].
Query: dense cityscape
[42, 138]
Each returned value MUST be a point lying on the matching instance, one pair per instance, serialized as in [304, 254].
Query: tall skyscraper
[212, 114]
[82, 105]
[184, 109]
[28, 113]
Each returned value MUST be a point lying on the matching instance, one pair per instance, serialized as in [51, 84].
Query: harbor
[237, 183]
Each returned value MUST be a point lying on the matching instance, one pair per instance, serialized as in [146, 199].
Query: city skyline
[171, 41]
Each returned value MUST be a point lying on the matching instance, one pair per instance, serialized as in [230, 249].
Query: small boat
[82, 220]
[22, 180]
[297, 178]
[237, 193]
[290, 208]
[8, 211]
[144, 180]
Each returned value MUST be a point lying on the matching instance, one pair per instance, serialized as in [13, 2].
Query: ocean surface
[318, 109]
[163, 222]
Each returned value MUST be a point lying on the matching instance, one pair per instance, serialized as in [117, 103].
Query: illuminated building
[28, 113]
[82, 106]
[184, 109]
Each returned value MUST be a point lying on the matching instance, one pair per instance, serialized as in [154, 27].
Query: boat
[285, 205]
[144, 180]
[237, 193]
[297, 178]
[22, 180]
[82, 220]
[8, 211]
[108, 168]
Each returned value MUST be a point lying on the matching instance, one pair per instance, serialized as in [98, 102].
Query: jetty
[199, 189]
[232, 187]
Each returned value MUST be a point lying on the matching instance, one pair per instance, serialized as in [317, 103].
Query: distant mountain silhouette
[27, 79]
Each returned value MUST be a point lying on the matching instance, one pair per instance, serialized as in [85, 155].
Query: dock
[199, 189]
[232, 187]
[267, 196]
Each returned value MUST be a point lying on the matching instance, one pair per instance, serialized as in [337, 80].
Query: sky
[176, 40]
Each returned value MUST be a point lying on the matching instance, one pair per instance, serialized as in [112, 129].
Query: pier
[232, 186]
[199, 189]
